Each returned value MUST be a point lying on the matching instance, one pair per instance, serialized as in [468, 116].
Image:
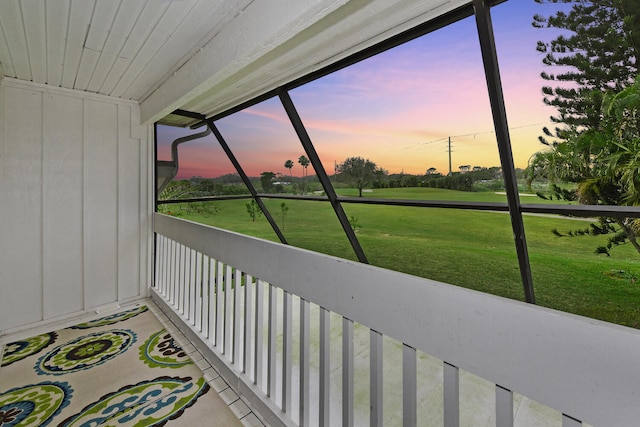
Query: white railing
[288, 329]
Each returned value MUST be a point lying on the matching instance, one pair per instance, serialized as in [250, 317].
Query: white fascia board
[258, 29]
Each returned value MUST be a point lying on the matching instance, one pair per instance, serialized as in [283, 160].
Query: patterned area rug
[120, 370]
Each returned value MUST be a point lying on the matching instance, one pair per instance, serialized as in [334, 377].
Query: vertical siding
[21, 209]
[129, 194]
[62, 204]
[101, 203]
[73, 211]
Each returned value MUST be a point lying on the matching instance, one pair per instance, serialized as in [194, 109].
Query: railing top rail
[583, 367]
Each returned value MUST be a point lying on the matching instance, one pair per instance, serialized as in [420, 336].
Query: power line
[474, 134]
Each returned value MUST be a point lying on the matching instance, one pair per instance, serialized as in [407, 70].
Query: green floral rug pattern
[120, 370]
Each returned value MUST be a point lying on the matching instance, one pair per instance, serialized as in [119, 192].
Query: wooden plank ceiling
[120, 48]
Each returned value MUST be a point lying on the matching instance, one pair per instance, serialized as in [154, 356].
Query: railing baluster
[192, 286]
[409, 386]
[237, 339]
[287, 335]
[158, 262]
[164, 261]
[375, 378]
[451, 395]
[204, 315]
[247, 351]
[173, 273]
[178, 280]
[199, 291]
[568, 421]
[271, 345]
[175, 263]
[186, 283]
[176, 283]
[186, 286]
[325, 340]
[168, 273]
[168, 268]
[211, 291]
[347, 372]
[258, 361]
[504, 407]
[227, 348]
[220, 306]
[183, 278]
[304, 363]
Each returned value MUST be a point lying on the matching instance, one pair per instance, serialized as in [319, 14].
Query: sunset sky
[398, 108]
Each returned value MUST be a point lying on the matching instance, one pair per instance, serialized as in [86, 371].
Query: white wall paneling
[73, 202]
[21, 208]
[129, 192]
[101, 199]
[62, 204]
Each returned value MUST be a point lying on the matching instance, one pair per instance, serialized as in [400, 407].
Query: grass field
[473, 249]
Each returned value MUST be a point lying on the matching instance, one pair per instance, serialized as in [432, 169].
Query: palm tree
[603, 164]
[289, 165]
[304, 162]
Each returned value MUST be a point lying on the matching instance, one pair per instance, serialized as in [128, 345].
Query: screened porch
[300, 337]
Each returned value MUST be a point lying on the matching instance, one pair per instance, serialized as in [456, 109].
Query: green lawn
[473, 249]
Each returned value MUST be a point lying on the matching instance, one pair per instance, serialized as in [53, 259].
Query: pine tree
[597, 141]
[599, 55]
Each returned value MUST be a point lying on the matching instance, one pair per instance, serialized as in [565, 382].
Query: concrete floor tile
[251, 421]
[240, 408]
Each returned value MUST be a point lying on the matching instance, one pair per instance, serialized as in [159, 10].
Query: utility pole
[450, 172]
